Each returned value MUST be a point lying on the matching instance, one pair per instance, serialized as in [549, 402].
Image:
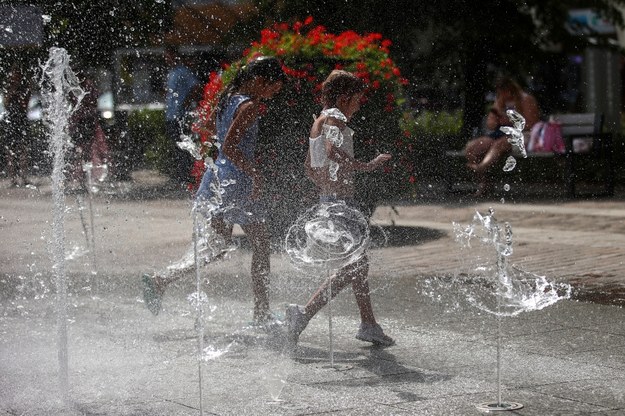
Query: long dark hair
[267, 67]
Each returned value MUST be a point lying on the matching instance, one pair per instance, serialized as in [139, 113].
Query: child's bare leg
[360, 287]
[476, 149]
[222, 228]
[497, 151]
[356, 274]
[320, 298]
[259, 238]
[177, 271]
[170, 276]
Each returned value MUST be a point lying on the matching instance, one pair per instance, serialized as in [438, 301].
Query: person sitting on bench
[484, 152]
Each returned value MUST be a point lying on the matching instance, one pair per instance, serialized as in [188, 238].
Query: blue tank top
[248, 141]
[226, 169]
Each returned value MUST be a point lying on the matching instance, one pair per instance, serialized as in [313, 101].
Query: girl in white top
[331, 165]
[330, 162]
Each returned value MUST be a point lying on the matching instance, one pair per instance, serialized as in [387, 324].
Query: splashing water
[189, 145]
[515, 132]
[510, 164]
[58, 82]
[75, 253]
[207, 246]
[211, 353]
[328, 234]
[498, 288]
[493, 285]
[275, 379]
[333, 170]
[334, 135]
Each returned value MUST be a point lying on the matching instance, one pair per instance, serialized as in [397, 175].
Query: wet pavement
[566, 359]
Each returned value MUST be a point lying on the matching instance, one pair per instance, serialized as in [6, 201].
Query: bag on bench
[546, 136]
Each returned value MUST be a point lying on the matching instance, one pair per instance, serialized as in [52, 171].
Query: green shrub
[146, 129]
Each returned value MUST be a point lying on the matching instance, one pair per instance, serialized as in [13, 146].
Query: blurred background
[568, 54]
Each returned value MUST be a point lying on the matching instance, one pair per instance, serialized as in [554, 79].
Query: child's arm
[245, 116]
[348, 163]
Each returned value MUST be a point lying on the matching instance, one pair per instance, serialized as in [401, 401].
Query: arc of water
[502, 273]
[57, 83]
[328, 235]
[330, 333]
[200, 306]
[88, 169]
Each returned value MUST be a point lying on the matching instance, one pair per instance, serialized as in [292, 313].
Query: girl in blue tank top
[237, 130]
[241, 184]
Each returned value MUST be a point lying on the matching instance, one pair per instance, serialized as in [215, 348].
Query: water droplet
[510, 164]
[506, 187]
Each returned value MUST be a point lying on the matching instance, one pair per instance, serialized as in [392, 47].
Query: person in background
[484, 152]
[83, 128]
[182, 89]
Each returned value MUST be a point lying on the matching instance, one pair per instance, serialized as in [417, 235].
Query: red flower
[294, 72]
[373, 37]
[268, 35]
[262, 109]
[281, 27]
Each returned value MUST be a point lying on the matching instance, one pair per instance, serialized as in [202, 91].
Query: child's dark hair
[267, 67]
[339, 83]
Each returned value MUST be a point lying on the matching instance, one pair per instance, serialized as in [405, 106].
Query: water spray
[58, 82]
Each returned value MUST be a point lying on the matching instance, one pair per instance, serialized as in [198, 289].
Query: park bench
[583, 139]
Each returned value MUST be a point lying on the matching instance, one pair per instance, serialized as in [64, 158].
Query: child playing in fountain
[331, 165]
[237, 117]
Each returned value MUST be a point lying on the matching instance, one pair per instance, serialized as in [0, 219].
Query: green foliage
[433, 123]
[146, 128]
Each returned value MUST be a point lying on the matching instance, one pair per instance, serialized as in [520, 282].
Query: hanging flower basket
[309, 53]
